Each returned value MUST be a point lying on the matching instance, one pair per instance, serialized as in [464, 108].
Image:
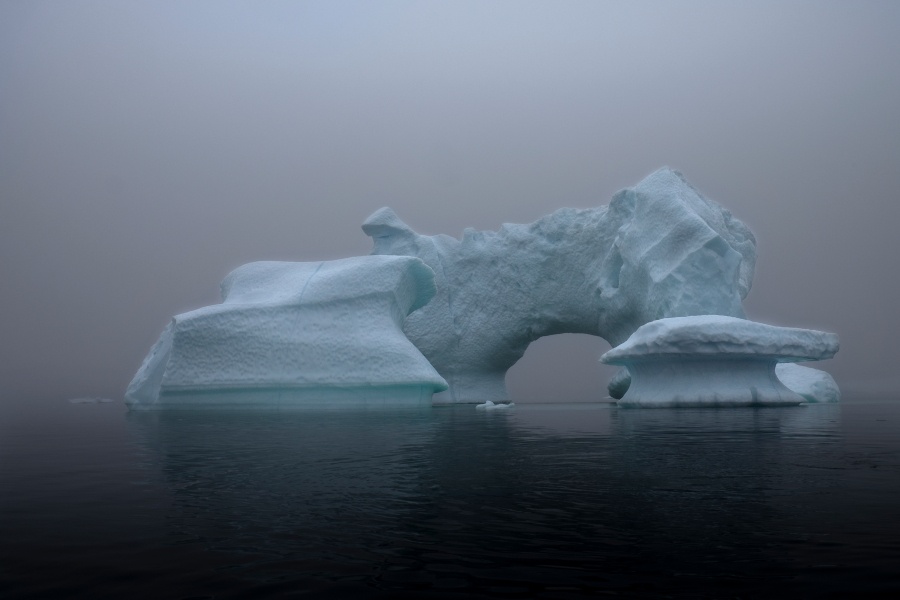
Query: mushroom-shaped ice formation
[286, 334]
[713, 360]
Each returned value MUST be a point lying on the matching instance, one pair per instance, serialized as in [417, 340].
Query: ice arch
[561, 368]
[657, 250]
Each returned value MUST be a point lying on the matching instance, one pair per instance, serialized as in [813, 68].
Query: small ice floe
[89, 400]
[491, 406]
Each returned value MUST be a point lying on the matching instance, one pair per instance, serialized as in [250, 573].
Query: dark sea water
[539, 501]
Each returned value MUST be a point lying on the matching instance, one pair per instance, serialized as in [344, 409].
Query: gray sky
[147, 148]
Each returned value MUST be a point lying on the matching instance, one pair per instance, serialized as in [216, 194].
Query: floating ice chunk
[714, 360]
[659, 249]
[495, 406]
[296, 333]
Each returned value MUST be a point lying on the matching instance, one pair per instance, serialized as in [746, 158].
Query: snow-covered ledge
[713, 360]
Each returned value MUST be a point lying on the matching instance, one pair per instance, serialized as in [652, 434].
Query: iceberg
[296, 334]
[492, 406]
[660, 273]
[657, 250]
[714, 360]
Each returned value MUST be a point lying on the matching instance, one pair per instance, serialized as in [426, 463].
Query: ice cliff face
[288, 333]
[674, 254]
[658, 250]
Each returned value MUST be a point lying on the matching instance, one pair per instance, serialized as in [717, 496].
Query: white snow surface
[707, 335]
[657, 250]
[289, 332]
[495, 406]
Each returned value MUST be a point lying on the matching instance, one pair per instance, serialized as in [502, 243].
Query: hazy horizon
[146, 149]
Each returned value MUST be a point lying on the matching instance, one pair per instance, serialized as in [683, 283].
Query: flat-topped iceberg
[714, 360]
[287, 333]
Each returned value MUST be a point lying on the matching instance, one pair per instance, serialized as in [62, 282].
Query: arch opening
[561, 368]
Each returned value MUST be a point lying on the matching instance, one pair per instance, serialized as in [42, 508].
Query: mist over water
[147, 150]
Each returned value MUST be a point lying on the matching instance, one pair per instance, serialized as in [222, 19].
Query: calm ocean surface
[540, 501]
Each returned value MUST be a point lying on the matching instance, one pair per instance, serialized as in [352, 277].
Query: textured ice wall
[288, 333]
[657, 250]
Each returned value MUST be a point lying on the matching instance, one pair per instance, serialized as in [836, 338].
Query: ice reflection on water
[534, 500]
[537, 501]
